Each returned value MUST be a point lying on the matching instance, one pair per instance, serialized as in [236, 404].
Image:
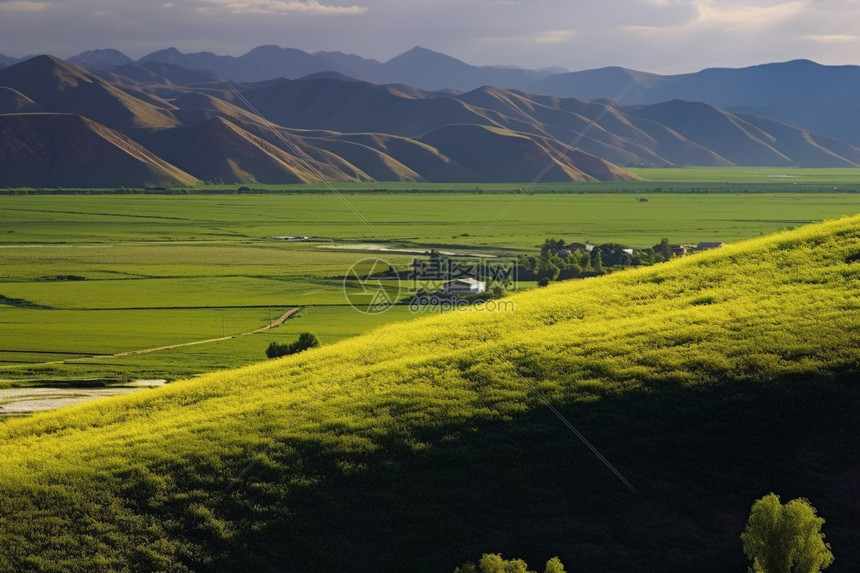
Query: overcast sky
[663, 36]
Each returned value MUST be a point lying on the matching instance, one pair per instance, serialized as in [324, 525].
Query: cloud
[280, 7]
[23, 6]
[665, 36]
[710, 14]
[553, 36]
[745, 15]
[832, 38]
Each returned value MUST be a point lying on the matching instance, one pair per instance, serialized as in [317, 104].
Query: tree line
[559, 261]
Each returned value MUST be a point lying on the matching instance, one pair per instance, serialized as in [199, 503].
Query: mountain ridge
[306, 124]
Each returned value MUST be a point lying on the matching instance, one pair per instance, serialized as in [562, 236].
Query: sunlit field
[704, 378]
[86, 277]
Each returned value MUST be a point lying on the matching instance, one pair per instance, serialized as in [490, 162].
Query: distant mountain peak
[419, 54]
[106, 58]
[168, 55]
[47, 65]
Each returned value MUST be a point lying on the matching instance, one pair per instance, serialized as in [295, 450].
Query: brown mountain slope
[424, 159]
[378, 165]
[596, 127]
[220, 149]
[49, 150]
[726, 134]
[13, 101]
[353, 107]
[196, 107]
[340, 129]
[814, 149]
[148, 74]
[504, 155]
[672, 133]
[60, 87]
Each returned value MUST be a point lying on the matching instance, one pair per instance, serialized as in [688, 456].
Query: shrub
[493, 563]
[305, 340]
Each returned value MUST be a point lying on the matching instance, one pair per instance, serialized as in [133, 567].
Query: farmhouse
[464, 286]
[581, 247]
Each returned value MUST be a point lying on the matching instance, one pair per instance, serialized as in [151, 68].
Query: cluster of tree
[558, 261]
[305, 340]
[779, 538]
[493, 563]
[785, 538]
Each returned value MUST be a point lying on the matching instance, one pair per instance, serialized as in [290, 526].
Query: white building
[464, 286]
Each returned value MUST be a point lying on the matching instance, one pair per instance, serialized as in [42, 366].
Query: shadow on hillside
[529, 488]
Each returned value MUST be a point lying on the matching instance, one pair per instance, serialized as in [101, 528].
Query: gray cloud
[655, 35]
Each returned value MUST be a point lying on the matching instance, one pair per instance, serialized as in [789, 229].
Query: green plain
[155, 270]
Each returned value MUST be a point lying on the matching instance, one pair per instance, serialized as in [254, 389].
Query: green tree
[785, 538]
[305, 340]
[547, 269]
[493, 563]
[596, 260]
[664, 249]
[276, 350]
[554, 565]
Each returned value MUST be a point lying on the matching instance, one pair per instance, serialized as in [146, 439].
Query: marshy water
[21, 401]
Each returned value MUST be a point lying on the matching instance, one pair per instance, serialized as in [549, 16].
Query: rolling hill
[672, 133]
[12, 101]
[61, 87]
[799, 92]
[51, 150]
[705, 382]
[220, 148]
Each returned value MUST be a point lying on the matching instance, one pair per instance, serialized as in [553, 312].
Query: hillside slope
[707, 382]
[489, 134]
[55, 149]
[799, 92]
[670, 133]
[60, 87]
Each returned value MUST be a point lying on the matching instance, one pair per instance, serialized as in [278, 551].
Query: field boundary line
[274, 324]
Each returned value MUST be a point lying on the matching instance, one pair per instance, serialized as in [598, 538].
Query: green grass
[788, 177]
[706, 382]
[159, 269]
[425, 219]
[711, 177]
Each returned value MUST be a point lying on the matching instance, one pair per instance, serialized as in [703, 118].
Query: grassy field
[403, 219]
[702, 179]
[98, 275]
[825, 178]
[705, 382]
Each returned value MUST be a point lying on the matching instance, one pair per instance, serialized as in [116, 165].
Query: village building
[581, 247]
[464, 286]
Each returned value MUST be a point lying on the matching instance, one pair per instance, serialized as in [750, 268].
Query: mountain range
[800, 92]
[171, 118]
